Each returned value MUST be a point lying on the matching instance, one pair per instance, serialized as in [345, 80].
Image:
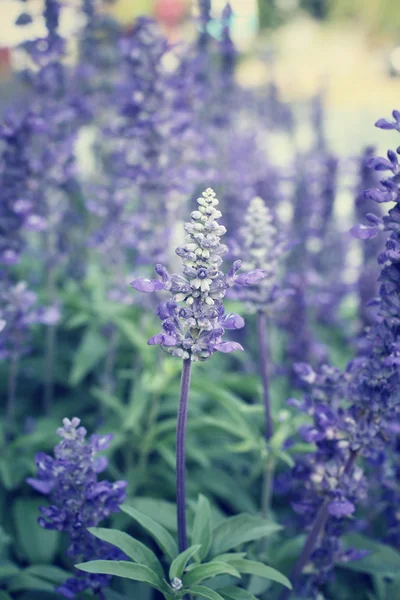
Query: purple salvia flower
[78, 499]
[261, 249]
[194, 318]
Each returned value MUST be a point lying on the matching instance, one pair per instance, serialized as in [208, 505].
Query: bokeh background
[350, 49]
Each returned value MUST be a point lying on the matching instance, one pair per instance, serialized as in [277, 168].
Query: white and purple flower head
[262, 248]
[194, 319]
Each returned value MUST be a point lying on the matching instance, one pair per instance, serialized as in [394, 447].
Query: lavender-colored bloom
[369, 271]
[261, 248]
[78, 499]
[194, 317]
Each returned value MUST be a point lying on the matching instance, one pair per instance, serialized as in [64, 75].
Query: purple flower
[78, 499]
[194, 320]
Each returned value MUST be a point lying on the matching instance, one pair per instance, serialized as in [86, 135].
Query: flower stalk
[181, 454]
[11, 395]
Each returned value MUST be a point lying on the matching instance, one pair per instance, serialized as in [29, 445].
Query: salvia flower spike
[193, 320]
[78, 499]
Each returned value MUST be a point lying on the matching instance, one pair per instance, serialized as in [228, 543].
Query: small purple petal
[100, 464]
[163, 339]
[251, 278]
[378, 196]
[305, 372]
[233, 321]
[147, 285]
[42, 486]
[384, 124]
[364, 232]
[341, 508]
[226, 347]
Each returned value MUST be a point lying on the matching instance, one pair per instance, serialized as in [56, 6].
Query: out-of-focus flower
[78, 499]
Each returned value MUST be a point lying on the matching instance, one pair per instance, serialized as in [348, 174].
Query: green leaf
[48, 572]
[240, 529]
[92, 349]
[178, 565]
[135, 336]
[162, 511]
[137, 551]
[251, 567]
[122, 568]
[110, 401]
[24, 581]
[235, 593]
[382, 560]
[208, 570]
[204, 592]
[37, 544]
[202, 527]
[163, 538]
[8, 569]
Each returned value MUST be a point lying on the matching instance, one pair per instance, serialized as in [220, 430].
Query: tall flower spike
[261, 249]
[193, 319]
[78, 500]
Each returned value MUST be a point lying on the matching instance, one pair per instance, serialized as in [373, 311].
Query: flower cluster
[320, 477]
[194, 320]
[262, 248]
[375, 375]
[78, 499]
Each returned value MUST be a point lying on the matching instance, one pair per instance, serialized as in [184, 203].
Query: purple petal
[147, 285]
[384, 124]
[364, 232]
[378, 195]
[341, 508]
[42, 486]
[233, 321]
[251, 277]
[305, 372]
[226, 347]
[163, 339]
[100, 464]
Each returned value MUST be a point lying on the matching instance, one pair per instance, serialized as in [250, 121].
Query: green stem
[11, 396]
[267, 487]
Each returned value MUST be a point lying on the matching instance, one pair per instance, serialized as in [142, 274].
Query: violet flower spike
[262, 249]
[194, 320]
[78, 500]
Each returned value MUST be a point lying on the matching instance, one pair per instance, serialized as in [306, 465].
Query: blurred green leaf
[382, 560]
[37, 544]
[7, 569]
[92, 349]
[49, 573]
[24, 581]
[110, 401]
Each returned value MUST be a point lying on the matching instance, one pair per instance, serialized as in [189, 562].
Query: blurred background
[349, 50]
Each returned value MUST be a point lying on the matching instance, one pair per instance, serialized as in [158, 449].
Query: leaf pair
[188, 569]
